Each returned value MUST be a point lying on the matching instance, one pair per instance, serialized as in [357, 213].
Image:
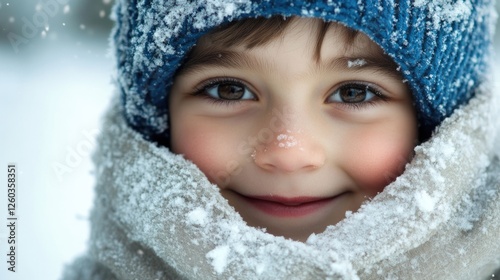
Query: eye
[228, 90]
[354, 93]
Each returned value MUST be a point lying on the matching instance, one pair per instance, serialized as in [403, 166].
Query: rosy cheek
[378, 160]
[210, 149]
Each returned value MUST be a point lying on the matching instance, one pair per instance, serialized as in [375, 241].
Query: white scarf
[156, 216]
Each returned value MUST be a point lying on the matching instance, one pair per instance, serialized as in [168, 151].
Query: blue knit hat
[441, 46]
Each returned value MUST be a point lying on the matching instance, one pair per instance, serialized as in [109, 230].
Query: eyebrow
[380, 63]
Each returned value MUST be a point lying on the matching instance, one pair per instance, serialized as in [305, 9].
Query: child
[278, 140]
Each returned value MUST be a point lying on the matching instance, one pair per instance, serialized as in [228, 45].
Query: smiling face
[294, 139]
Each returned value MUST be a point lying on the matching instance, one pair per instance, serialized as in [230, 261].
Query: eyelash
[201, 90]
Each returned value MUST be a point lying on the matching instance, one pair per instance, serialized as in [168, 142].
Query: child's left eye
[228, 91]
[353, 94]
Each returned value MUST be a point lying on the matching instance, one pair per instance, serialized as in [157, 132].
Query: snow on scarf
[156, 216]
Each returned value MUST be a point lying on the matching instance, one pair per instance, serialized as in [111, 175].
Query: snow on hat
[441, 46]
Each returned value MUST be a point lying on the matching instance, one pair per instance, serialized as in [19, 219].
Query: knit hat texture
[441, 46]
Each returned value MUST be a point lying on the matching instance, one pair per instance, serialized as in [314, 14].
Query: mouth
[288, 206]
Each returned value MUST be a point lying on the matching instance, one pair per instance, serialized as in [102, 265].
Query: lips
[288, 206]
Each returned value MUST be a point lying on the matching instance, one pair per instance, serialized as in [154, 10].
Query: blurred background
[56, 81]
[55, 76]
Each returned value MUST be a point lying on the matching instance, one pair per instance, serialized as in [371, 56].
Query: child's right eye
[227, 91]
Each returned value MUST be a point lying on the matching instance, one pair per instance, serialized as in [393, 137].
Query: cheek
[211, 149]
[378, 157]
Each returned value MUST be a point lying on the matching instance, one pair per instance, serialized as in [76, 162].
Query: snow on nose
[291, 151]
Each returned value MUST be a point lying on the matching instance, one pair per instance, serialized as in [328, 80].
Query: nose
[290, 152]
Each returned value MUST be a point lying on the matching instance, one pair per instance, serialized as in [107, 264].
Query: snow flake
[356, 63]
[446, 10]
[260, 267]
[286, 141]
[218, 258]
[425, 202]
[197, 217]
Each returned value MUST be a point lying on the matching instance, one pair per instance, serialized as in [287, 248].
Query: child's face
[294, 141]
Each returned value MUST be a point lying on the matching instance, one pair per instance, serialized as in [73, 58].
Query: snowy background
[54, 87]
[55, 82]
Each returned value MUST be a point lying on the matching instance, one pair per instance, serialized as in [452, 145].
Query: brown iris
[352, 94]
[230, 91]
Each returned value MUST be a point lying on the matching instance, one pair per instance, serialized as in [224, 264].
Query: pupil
[352, 95]
[230, 91]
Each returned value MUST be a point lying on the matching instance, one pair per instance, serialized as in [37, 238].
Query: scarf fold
[156, 216]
